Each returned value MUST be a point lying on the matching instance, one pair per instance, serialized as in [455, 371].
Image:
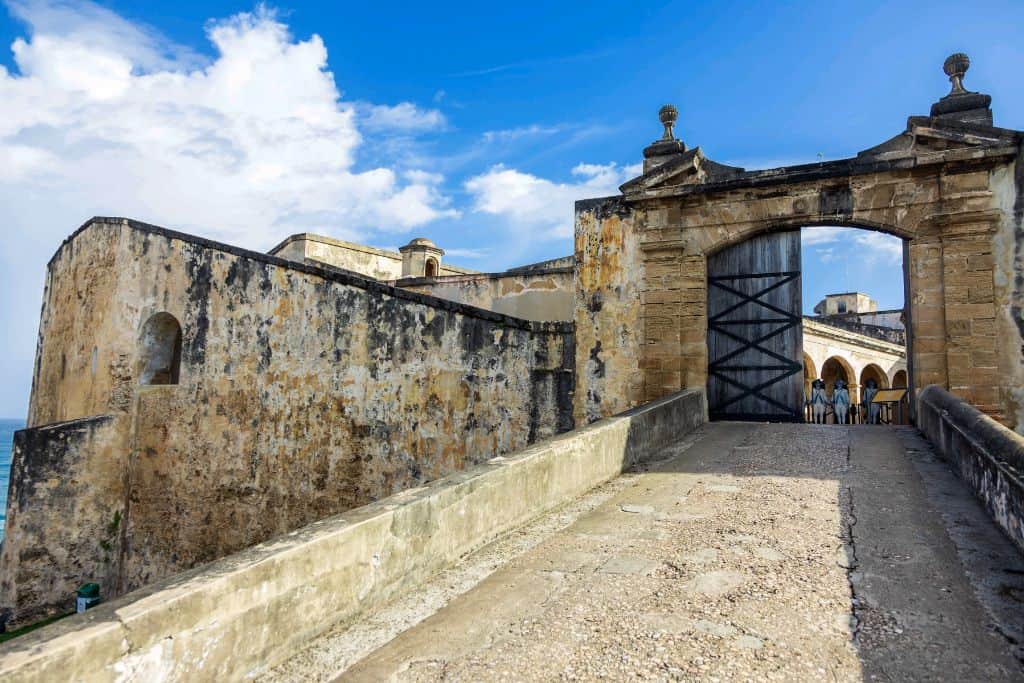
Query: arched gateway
[650, 264]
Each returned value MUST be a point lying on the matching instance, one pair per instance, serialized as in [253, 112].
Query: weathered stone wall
[304, 391]
[238, 617]
[529, 294]
[610, 278]
[379, 264]
[61, 527]
[1008, 267]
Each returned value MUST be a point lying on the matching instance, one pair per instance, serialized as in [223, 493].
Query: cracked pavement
[747, 552]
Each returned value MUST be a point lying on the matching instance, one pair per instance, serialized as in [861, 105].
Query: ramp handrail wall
[984, 453]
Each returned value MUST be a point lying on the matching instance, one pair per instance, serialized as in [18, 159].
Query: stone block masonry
[239, 616]
[303, 391]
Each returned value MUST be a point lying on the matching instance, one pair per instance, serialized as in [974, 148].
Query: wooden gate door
[755, 337]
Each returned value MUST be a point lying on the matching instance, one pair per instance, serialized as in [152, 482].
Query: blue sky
[476, 124]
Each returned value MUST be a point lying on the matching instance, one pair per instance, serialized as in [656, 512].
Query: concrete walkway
[750, 552]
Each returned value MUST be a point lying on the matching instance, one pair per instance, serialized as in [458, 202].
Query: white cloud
[403, 117]
[538, 207]
[254, 144]
[823, 234]
[883, 248]
[424, 177]
[512, 134]
[103, 116]
[865, 245]
[83, 23]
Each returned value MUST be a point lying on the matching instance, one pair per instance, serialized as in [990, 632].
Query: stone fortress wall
[298, 391]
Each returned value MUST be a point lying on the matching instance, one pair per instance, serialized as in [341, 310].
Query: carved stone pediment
[685, 168]
[926, 135]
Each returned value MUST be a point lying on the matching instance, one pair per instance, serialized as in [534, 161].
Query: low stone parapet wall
[984, 453]
[237, 616]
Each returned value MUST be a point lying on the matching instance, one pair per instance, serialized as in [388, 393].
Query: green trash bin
[88, 596]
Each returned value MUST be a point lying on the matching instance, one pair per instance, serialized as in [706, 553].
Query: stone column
[661, 303]
[971, 356]
[927, 304]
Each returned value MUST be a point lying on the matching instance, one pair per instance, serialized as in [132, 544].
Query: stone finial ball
[956, 64]
[668, 114]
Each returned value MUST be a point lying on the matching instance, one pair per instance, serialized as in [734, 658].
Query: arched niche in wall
[430, 269]
[159, 350]
[899, 380]
[872, 371]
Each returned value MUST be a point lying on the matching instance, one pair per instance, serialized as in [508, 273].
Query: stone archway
[946, 185]
[810, 374]
[835, 368]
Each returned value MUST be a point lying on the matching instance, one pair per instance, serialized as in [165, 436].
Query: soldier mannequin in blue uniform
[871, 410]
[818, 401]
[841, 401]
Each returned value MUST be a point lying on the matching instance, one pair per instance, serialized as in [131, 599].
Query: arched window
[160, 350]
[431, 268]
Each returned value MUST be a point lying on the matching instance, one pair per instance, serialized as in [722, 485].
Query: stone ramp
[920, 615]
[774, 552]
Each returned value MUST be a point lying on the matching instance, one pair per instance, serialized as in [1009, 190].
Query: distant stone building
[848, 302]
[858, 308]
[853, 341]
[540, 291]
[412, 260]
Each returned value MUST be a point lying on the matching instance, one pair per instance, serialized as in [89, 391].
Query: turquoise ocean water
[7, 429]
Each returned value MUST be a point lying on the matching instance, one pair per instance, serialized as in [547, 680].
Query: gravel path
[752, 552]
